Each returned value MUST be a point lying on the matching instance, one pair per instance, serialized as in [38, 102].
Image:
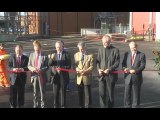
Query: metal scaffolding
[109, 20]
[20, 23]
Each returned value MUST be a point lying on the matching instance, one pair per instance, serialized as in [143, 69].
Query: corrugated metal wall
[61, 23]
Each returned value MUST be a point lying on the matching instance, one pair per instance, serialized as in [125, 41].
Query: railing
[146, 34]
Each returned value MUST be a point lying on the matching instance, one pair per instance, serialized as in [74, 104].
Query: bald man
[133, 64]
[107, 61]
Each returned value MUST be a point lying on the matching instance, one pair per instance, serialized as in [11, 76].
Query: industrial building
[59, 23]
[67, 23]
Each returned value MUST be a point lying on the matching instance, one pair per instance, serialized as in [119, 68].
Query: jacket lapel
[33, 59]
[40, 60]
[103, 53]
[80, 62]
[22, 61]
[136, 58]
[63, 55]
[85, 60]
[15, 60]
[129, 59]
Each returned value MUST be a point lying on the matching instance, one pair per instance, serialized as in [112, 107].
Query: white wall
[157, 27]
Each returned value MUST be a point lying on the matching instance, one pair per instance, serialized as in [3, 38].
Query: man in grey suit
[107, 61]
[38, 65]
[133, 64]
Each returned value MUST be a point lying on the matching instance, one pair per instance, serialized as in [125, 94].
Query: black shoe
[68, 90]
[35, 106]
[21, 106]
[81, 107]
[12, 106]
[55, 107]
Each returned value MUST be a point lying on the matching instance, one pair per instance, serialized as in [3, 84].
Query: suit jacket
[43, 66]
[86, 65]
[113, 61]
[138, 66]
[65, 62]
[12, 63]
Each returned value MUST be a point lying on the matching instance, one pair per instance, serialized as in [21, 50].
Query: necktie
[36, 62]
[82, 58]
[19, 61]
[58, 59]
[58, 56]
[133, 58]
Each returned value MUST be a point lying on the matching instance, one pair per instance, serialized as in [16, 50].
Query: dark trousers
[17, 94]
[59, 91]
[104, 84]
[129, 88]
[84, 93]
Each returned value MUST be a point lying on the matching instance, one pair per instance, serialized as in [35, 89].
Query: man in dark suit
[133, 64]
[67, 73]
[107, 61]
[18, 64]
[59, 79]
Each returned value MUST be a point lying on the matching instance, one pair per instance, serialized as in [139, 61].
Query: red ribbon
[40, 74]
[11, 71]
[66, 70]
[118, 72]
[63, 69]
[70, 70]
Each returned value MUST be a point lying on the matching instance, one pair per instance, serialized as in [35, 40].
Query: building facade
[147, 22]
[60, 23]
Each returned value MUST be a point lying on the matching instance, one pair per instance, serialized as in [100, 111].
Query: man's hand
[80, 71]
[20, 69]
[106, 71]
[58, 71]
[132, 71]
[36, 70]
[100, 71]
[1, 57]
[85, 72]
[126, 70]
[15, 69]
[51, 56]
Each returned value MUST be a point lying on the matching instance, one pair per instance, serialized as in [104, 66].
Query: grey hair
[59, 42]
[81, 44]
[133, 42]
[106, 37]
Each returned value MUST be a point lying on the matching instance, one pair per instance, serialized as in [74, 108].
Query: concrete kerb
[129, 40]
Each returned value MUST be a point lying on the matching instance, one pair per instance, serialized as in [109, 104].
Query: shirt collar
[38, 54]
[134, 53]
[19, 56]
[59, 52]
[83, 53]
